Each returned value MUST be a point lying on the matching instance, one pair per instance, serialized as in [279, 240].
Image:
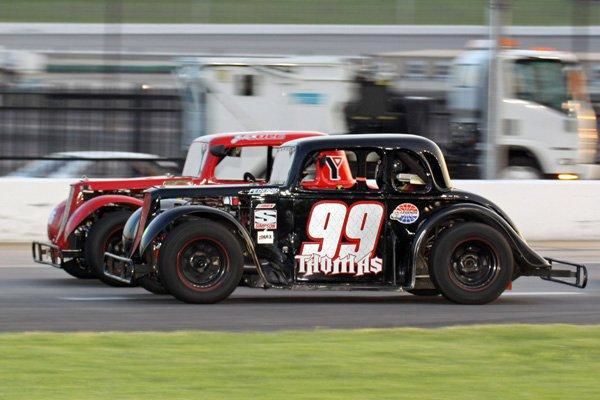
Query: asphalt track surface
[40, 298]
[320, 44]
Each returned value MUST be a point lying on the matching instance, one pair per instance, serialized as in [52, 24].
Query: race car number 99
[344, 235]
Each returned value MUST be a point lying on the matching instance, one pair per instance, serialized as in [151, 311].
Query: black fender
[528, 258]
[166, 218]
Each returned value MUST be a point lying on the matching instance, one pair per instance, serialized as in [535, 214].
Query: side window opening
[408, 174]
[246, 85]
[343, 169]
[374, 171]
[329, 170]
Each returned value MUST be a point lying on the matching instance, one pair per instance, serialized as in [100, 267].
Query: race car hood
[132, 183]
[191, 192]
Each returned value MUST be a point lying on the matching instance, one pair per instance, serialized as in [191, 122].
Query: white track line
[107, 298]
[543, 293]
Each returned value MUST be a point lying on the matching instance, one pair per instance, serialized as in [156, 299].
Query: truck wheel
[521, 168]
[201, 262]
[471, 263]
[105, 235]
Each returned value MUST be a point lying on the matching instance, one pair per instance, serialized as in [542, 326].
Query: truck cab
[546, 126]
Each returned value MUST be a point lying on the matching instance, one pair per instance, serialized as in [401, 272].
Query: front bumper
[123, 269]
[51, 254]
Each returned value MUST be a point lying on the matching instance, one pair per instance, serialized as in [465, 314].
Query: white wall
[25, 205]
[542, 210]
[546, 210]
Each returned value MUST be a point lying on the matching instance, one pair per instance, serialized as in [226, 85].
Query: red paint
[323, 174]
[73, 211]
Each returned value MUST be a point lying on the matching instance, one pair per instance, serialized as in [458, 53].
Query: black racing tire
[153, 285]
[201, 261]
[471, 263]
[424, 292]
[105, 235]
[76, 269]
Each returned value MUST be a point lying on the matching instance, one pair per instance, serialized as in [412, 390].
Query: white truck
[265, 93]
[546, 126]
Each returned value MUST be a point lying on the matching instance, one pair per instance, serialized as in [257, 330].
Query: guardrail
[542, 210]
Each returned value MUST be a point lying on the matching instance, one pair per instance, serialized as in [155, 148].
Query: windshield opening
[282, 162]
[548, 82]
[194, 159]
[243, 160]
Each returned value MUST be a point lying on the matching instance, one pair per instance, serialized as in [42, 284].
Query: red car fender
[92, 205]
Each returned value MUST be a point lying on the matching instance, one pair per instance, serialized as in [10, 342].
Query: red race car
[90, 221]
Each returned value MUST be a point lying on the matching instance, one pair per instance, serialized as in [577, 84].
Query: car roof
[258, 138]
[386, 140]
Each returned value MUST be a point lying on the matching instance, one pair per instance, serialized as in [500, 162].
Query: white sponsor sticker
[265, 237]
[265, 205]
[259, 136]
[263, 191]
[265, 219]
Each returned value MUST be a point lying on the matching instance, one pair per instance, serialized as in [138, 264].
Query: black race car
[351, 212]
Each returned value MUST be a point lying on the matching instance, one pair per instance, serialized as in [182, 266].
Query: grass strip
[455, 12]
[502, 362]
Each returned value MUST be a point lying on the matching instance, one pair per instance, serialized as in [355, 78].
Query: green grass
[501, 362]
[525, 12]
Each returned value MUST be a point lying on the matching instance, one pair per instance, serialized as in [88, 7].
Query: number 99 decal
[343, 239]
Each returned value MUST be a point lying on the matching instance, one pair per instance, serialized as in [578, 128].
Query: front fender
[166, 218]
[160, 223]
[89, 207]
[478, 213]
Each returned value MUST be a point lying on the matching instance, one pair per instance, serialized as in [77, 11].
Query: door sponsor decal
[343, 239]
[263, 191]
[405, 213]
[265, 237]
[265, 219]
[265, 205]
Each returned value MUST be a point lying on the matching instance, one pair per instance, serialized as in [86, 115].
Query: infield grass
[486, 362]
[452, 12]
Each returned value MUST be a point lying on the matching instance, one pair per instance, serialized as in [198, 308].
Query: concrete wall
[542, 210]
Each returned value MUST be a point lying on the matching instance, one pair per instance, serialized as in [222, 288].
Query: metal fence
[39, 123]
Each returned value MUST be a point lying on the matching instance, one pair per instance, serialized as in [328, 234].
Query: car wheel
[153, 284]
[471, 263]
[77, 267]
[105, 235]
[424, 292]
[77, 270]
[201, 262]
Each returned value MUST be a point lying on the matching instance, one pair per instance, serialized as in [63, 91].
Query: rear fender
[473, 212]
[172, 216]
[89, 207]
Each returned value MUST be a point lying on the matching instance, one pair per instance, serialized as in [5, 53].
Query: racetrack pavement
[35, 297]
